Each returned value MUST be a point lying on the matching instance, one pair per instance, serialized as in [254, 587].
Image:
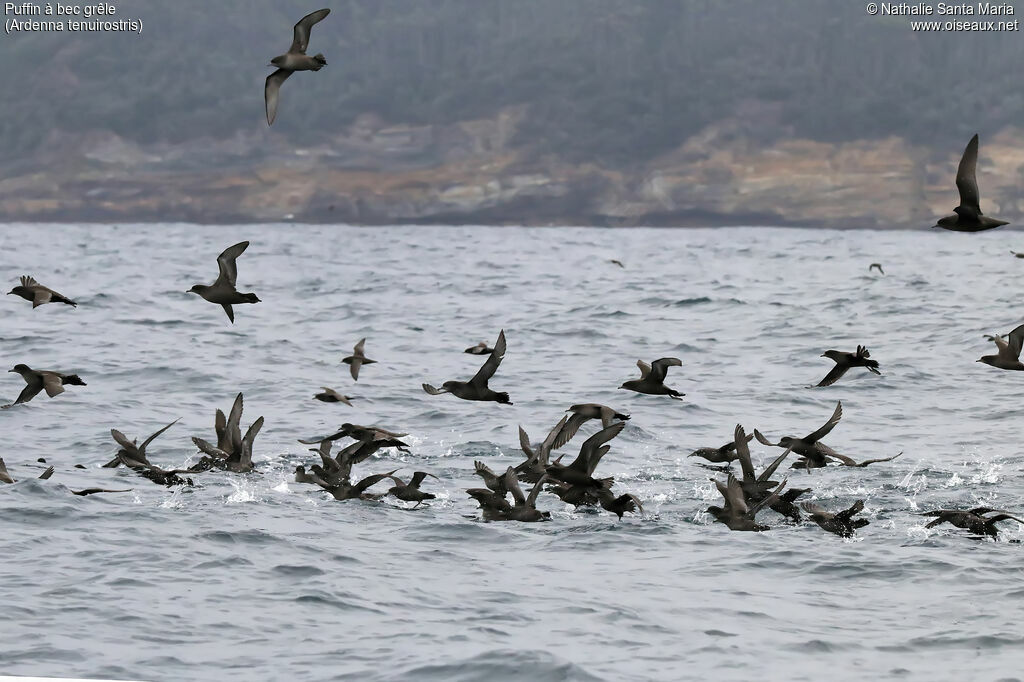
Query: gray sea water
[255, 577]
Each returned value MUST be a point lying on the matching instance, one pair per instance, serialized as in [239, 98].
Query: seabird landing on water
[477, 388]
[295, 59]
[223, 290]
[973, 520]
[496, 508]
[815, 454]
[844, 361]
[410, 492]
[652, 378]
[130, 450]
[1008, 356]
[757, 487]
[876, 266]
[233, 451]
[537, 459]
[37, 380]
[581, 471]
[968, 216]
[31, 290]
[329, 395]
[841, 523]
[737, 514]
[357, 359]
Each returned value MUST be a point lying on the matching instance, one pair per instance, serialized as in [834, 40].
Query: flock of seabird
[575, 483]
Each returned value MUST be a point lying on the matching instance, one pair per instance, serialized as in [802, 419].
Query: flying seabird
[841, 523]
[357, 359]
[968, 216]
[293, 60]
[477, 388]
[876, 266]
[479, 349]
[845, 361]
[1017, 254]
[973, 520]
[130, 450]
[223, 290]
[37, 380]
[619, 505]
[815, 454]
[410, 492]
[652, 378]
[617, 262]
[737, 514]
[31, 290]
[582, 414]
[720, 455]
[537, 459]
[1008, 356]
[329, 395]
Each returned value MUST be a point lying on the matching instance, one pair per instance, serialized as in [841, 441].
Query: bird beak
[9, 371]
[978, 360]
[822, 355]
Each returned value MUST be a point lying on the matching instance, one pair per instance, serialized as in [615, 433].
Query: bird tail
[320, 59]
[73, 379]
[503, 398]
[251, 298]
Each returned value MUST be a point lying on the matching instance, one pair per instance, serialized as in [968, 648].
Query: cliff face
[470, 172]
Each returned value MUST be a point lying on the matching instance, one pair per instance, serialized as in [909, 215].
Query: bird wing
[588, 458]
[816, 511]
[300, 41]
[552, 441]
[234, 429]
[46, 474]
[40, 295]
[5, 475]
[659, 368]
[493, 360]
[123, 441]
[358, 348]
[227, 265]
[1016, 341]
[52, 383]
[28, 281]
[847, 514]
[743, 454]
[247, 441]
[764, 441]
[353, 367]
[834, 374]
[209, 449]
[512, 485]
[271, 90]
[770, 470]
[531, 501]
[828, 426]
[155, 435]
[370, 481]
[434, 391]
[645, 369]
[571, 426]
[524, 443]
[220, 426]
[734, 497]
[966, 177]
[768, 501]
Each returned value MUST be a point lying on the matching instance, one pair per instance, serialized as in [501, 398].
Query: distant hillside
[597, 89]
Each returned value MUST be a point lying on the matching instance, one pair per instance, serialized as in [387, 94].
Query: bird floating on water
[295, 59]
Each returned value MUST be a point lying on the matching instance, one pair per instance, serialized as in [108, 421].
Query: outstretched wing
[226, 262]
[493, 360]
[52, 383]
[966, 177]
[271, 90]
[764, 441]
[834, 374]
[524, 443]
[659, 368]
[433, 391]
[300, 41]
[645, 369]
[743, 454]
[155, 435]
[592, 451]
[828, 426]
[1016, 341]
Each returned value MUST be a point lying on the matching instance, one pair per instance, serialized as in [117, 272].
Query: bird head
[20, 368]
[831, 354]
[195, 289]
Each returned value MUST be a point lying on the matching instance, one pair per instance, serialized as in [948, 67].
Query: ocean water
[255, 577]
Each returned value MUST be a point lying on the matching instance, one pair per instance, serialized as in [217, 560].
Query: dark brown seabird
[968, 216]
[31, 290]
[537, 459]
[335, 476]
[757, 487]
[38, 380]
[720, 455]
[496, 508]
[410, 492]
[479, 349]
[876, 266]
[293, 60]
[477, 388]
[840, 523]
[1008, 356]
[737, 514]
[652, 378]
[223, 290]
[583, 413]
[1017, 254]
[233, 451]
[973, 520]
[130, 450]
[581, 471]
[357, 359]
[844, 361]
[329, 395]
